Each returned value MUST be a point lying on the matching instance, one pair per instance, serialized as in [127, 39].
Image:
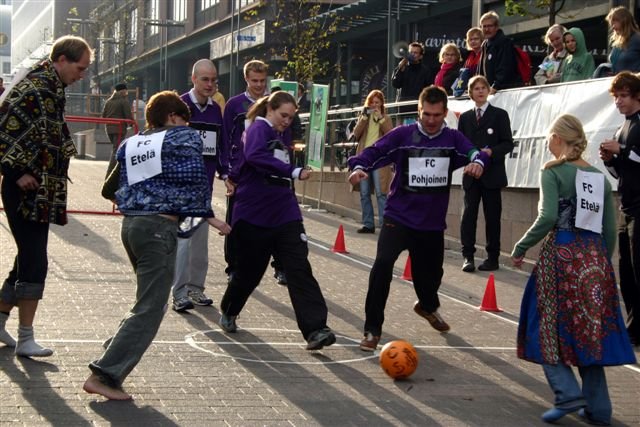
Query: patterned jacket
[35, 140]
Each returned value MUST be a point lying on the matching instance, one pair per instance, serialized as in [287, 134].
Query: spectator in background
[550, 70]
[498, 62]
[625, 40]
[116, 107]
[449, 58]
[472, 63]
[1, 85]
[621, 156]
[218, 97]
[474, 47]
[579, 63]
[411, 75]
[373, 123]
[489, 129]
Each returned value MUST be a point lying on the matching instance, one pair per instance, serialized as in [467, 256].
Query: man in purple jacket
[192, 254]
[424, 155]
[255, 74]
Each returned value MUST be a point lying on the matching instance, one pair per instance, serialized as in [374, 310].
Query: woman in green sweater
[570, 313]
[579, 65]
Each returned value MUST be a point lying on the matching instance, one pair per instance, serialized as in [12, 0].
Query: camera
[368, 111]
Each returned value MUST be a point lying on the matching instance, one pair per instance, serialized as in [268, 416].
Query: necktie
[478, 114]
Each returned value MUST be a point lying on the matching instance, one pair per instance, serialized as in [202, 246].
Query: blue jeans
[594, 394]
[365, 199]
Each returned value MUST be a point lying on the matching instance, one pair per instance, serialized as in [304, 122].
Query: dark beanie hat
[121, 86]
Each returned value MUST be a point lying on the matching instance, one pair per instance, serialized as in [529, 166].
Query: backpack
[524, 65]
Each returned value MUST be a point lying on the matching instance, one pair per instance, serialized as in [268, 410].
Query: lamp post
[163, 44]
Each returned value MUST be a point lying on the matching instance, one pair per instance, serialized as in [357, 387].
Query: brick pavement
[195, 375]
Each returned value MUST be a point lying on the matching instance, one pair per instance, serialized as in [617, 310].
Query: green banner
[318, 125]
[290, 87]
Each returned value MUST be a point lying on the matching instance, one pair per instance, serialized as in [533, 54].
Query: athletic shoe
[369, 342]
[582, 413]
[320, 338]
[182, 304]
[228, 323]
[280, 277]
[199, 298]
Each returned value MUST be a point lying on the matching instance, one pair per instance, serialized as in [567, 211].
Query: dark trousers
[254, 247]
[492, 208]
[426, 249]
[26, 278]
[229, 250]
[629, 238]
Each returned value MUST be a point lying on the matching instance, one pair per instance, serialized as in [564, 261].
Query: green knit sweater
[557, 183]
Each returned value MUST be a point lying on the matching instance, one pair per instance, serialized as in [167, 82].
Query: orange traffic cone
[489, 302]
[407, 271]
[338, 246]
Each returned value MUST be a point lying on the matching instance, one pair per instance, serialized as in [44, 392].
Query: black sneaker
[280, 277]
[320, 338]
[366, 230]
[489, 265]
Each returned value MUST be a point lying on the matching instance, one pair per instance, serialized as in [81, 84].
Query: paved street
[195, 375]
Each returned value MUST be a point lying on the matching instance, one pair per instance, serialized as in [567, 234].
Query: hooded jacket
[579, 64]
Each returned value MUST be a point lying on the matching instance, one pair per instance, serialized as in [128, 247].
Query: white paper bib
[589, 200]
[143, 156]
[429, 171]
[281, 155]
[209, 136]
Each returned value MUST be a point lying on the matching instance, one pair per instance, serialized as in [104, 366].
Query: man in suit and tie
[489, 129]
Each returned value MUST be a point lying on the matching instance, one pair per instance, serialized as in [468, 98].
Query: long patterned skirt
[570, 309]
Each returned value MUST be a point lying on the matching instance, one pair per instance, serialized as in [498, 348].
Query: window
[116, 39]
[153, 12]
[206, 4]
[133, 25]
[6, 67]
[242, 3]
[179, 10]
[103, 35]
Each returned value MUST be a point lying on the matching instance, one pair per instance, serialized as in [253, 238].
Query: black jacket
[499, 63]
[494, 132]
[412, 80]
[626, 165]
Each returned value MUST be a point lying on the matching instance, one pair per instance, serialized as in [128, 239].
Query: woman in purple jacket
[267, 221]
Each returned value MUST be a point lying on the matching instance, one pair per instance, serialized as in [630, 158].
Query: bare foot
[95, 386]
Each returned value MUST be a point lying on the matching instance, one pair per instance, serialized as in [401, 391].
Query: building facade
[152, 44]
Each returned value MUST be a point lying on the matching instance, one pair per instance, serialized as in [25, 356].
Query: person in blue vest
[192, 260]
[159, 180]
